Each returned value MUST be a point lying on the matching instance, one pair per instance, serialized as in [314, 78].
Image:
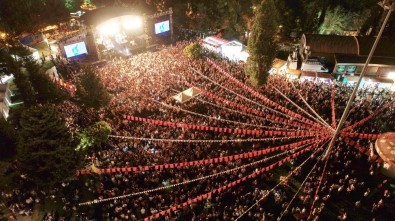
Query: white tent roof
[215, 41]
[181, 97]
[192, 92]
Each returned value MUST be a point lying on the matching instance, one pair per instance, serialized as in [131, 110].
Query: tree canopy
[8, 139]
[262, 44]
[91, 92]
[46, 151]
[193, 50]
[18, 16]
[94, 135]
[47, 90]
[338, 20]
[13, 58]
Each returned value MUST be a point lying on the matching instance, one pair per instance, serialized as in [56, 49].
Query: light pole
[387, 5]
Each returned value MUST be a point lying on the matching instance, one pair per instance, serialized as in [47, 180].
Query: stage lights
[131, 22]
[116, 25]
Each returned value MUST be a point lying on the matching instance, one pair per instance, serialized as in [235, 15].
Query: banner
[210, 141]
[359, 123]
[267, 117]
[228, 130]
[361, 135]
[361, 149]
[260, 96]
[222, 188]
[179, 165]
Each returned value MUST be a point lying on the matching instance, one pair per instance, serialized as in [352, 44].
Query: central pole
[354, 92]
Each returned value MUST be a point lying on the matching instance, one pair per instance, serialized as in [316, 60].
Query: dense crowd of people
[142, 84]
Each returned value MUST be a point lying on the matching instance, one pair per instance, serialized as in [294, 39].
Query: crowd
[140, 83]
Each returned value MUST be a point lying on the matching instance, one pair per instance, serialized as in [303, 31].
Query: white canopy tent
[187, 94]
[192, 92]
[232, 50]
[181, 97]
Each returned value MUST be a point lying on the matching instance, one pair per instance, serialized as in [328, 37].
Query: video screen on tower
[162, 27]
[75, 49]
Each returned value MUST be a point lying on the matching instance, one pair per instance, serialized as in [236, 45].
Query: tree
[47, 91]
[313, 14]
[337, 21]
[8, 139]
[94, 135]
[91, 92]
[13, 59]
[193, 50]
[262, 44]
[72, 5]
[18, 16]
[46, 151]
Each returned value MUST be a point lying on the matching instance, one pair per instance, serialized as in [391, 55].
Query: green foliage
[229, 16]
[25, 88]
[91, 92]
[371, 26]
[193, 50]
[262, 45]
[255, 76]
[13, 57]
[337, 21]
[18, 16]
[8, 139]
[95, 135]
[47, 91]
[46, 151]
[70, 4]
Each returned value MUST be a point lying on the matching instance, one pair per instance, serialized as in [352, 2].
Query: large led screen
[162, 27]
[75, 49]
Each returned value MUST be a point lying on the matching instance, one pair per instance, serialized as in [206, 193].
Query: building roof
[385, 47]
[349, 45]
[350, 59]
[332, 44]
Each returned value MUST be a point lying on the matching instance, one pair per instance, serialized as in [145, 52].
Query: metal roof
[332, 44]
[349, 59]
[349, 45]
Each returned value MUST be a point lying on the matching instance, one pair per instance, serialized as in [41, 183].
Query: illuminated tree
[337, 20]
[95, 135]
[193, 50]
